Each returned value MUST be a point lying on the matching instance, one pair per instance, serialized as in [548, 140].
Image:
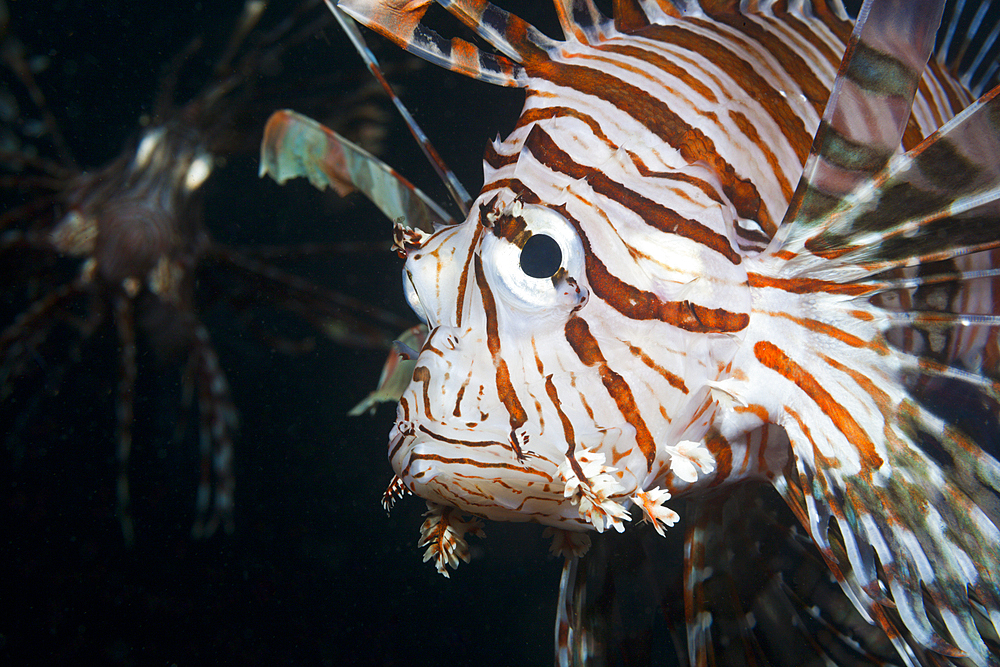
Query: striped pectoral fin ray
[455, 188]
[936, 202]
[902, 504]
[296, 146]
[972, 26]
[402, 22]
[869, 105]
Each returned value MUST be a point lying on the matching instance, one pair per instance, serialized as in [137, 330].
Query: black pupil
[540, 256]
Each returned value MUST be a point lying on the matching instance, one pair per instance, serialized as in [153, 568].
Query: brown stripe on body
[550, 389]
[529, 116]
[589, 351]
[568, 432]
[693, 181]
[757, 87]
[423, 376]
[457, 412]
[840, 28]
[505, 390]
[772, 357]
[675, 380]
[722, 452]
[463, 279]
[458, 441]
[662, 63]
[692, 143]
[748, 129]
[522, 191]
[427, 456]
[548, 153]
[747, 75]
[495, 160]
[638, 304]
[750, 132]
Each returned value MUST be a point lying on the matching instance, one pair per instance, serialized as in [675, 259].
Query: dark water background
[315, 573]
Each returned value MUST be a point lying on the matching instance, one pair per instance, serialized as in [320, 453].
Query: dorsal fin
[402, 22]
[938, 201]
[582, 21]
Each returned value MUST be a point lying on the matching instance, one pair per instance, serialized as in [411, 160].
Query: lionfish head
[519, 407]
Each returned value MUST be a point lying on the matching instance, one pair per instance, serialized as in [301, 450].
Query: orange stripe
[832, 331]
[722, 452]
[771, 356]
[505, 389]
[468, 462]
[807, 285]
[589, 351]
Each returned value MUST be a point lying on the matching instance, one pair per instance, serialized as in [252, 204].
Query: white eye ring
[506, 276]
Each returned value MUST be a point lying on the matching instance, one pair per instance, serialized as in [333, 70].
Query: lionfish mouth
[468, 469]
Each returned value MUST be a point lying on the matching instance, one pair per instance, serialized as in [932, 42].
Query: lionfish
[127, 244]
[728, 245]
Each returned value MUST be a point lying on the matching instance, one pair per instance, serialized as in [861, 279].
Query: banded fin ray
[869, 106]
[924, 494]
[933, 203]
[455, 188]
[969, 46]
[582, 21]
[296, 146]
[900, 481]
[402, 22]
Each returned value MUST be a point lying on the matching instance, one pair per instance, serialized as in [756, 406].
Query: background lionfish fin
[295, 146]
[969, 47]
[615, 600]
[869, 105]
[402, 22]
[758, 592]
[458, 193]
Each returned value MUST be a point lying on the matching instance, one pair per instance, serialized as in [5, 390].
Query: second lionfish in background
[701, 265]
[125, 248]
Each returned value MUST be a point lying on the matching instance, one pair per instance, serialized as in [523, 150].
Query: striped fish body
[691, 264]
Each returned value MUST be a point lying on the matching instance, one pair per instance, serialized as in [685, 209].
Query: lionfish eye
[544, 270]
[541, 256]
